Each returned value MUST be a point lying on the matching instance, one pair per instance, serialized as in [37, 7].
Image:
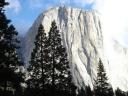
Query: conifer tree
[61, 79]
[101, 86]
[9, 61]
[82, 92]
[38, 65]
[85, 91]
[119, 92]
[89, 92]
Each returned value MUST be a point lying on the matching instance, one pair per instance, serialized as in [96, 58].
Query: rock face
[82, 36]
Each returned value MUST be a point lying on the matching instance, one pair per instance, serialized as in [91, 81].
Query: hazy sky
[113, 12]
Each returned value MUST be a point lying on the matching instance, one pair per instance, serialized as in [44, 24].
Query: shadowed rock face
[82, 36]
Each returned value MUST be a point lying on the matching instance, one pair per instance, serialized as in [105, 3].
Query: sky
[114, 14]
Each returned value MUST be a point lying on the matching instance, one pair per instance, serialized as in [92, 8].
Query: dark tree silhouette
[119, 92]
[85, 91]
[49, 66]
[61, 79]
[9, 61]
[101, 86]
[89, 92]
[82, 92]
[126, 93]
[38, 65]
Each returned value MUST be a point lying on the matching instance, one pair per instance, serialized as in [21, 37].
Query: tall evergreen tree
[38, 65]
[101, 86]
[85, 91]
[89, 92]
[9, 61]
[81, 92]
[61, 79]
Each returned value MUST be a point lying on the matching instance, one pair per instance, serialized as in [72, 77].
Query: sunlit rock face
[81, 34]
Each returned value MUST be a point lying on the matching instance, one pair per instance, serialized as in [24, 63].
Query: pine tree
[38, 65]
[85, 91]
[61, 79]
[82, 92]
[9, 61]
[89, 92]
[101, 86]
[119, 92]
